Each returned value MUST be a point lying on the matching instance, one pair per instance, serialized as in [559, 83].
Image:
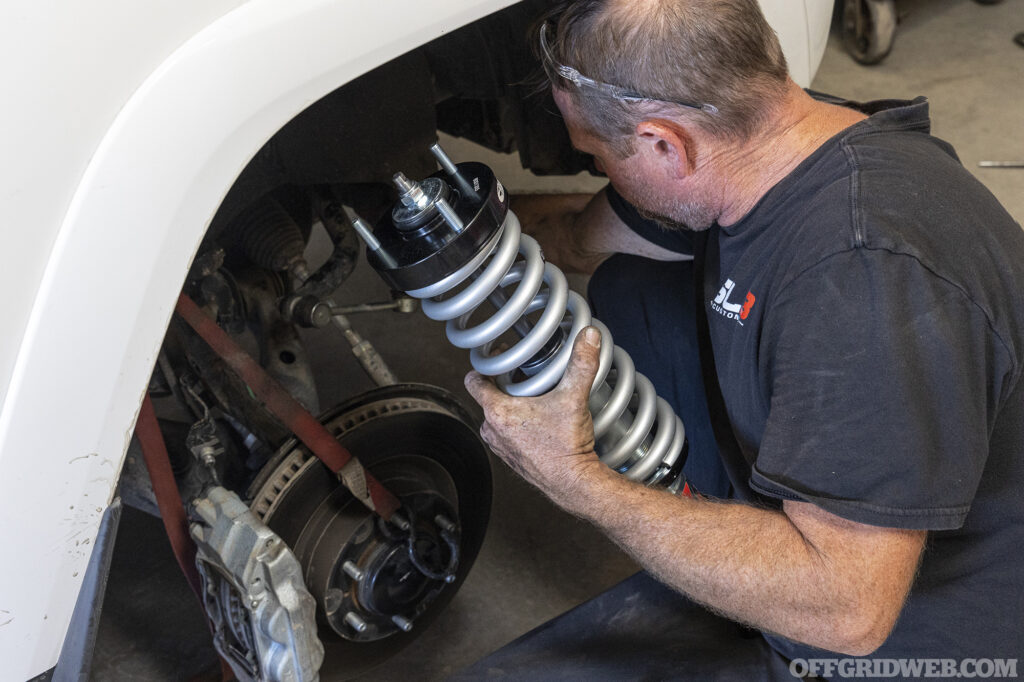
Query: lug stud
[355, 622]
[352, 571]
[444, 523]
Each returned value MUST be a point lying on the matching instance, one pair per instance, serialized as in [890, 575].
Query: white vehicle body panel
[125, 126]
[802, 27]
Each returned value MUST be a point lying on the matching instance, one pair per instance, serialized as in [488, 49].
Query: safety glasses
[555, 69]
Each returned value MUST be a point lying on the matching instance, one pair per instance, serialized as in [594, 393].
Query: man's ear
[667, 143]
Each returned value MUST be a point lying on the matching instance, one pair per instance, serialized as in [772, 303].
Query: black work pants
[649, 308]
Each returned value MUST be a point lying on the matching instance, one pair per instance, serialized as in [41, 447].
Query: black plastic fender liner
[75, 660]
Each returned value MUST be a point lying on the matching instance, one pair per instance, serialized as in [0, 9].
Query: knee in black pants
[649, 308]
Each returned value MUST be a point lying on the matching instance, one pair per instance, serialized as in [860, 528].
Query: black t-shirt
[867, 320]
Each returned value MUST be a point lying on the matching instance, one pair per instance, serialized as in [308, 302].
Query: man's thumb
[586, 356]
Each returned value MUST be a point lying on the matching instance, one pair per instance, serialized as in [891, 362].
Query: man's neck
[748, 171]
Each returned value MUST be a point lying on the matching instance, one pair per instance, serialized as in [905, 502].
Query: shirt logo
[732, 311]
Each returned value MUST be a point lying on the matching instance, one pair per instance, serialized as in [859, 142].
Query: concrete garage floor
[537, 562]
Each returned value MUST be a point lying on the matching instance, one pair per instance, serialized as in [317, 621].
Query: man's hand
[549, 439]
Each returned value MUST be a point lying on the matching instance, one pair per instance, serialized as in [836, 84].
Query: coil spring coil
[623, 402]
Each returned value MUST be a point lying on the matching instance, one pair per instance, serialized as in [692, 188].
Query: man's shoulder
[910, 195]
[889, 185]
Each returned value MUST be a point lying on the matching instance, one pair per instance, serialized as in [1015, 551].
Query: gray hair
[722, 52]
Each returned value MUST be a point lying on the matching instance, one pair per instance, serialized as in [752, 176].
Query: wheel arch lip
[121, 254]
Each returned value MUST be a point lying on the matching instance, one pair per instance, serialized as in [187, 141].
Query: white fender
[120, 258]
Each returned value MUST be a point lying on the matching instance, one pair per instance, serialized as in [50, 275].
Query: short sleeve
[884, 383]
[678, 241]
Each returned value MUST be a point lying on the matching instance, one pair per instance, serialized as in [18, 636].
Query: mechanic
[862, 295]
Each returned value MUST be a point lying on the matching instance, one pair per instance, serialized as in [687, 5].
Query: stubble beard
[692, 218]
[694, 214]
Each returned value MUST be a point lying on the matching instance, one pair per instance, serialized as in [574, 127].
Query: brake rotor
[377, 586]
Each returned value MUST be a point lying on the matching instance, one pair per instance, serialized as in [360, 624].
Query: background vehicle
[139, 135]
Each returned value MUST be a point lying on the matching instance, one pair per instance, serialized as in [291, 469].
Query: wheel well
[478, 82]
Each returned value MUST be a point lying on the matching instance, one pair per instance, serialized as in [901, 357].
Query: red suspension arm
[294, 416]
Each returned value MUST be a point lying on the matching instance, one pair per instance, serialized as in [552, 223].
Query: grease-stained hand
[548, 439]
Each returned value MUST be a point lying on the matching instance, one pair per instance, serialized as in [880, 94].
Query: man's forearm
[578, 232]
[753, 565]
[803, 572]
[554, 220]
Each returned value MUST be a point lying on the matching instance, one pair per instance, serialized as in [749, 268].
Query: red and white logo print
[732, 311]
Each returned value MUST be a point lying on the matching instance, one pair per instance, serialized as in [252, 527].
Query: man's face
[643, 178]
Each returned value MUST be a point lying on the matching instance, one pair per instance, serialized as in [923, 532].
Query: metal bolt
[400, 522]
[452, 170]
[450, 578]
[448, 213]
[445, 524]
[300, 270]
[363, 229]
[365, 232]
[443, 159]
[208, 455]
[355, 622]
[320, 314]
[404, 623]
[411, 194]
[352, 571]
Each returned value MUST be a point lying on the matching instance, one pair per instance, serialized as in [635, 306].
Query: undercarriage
[327, 536]
[299, 571]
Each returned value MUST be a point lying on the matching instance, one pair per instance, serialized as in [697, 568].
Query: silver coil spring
[637, 432]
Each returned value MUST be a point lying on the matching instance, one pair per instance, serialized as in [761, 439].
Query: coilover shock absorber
[452, 242]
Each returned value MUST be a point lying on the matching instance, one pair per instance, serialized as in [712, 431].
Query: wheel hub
[373, 594]
[373, 587]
